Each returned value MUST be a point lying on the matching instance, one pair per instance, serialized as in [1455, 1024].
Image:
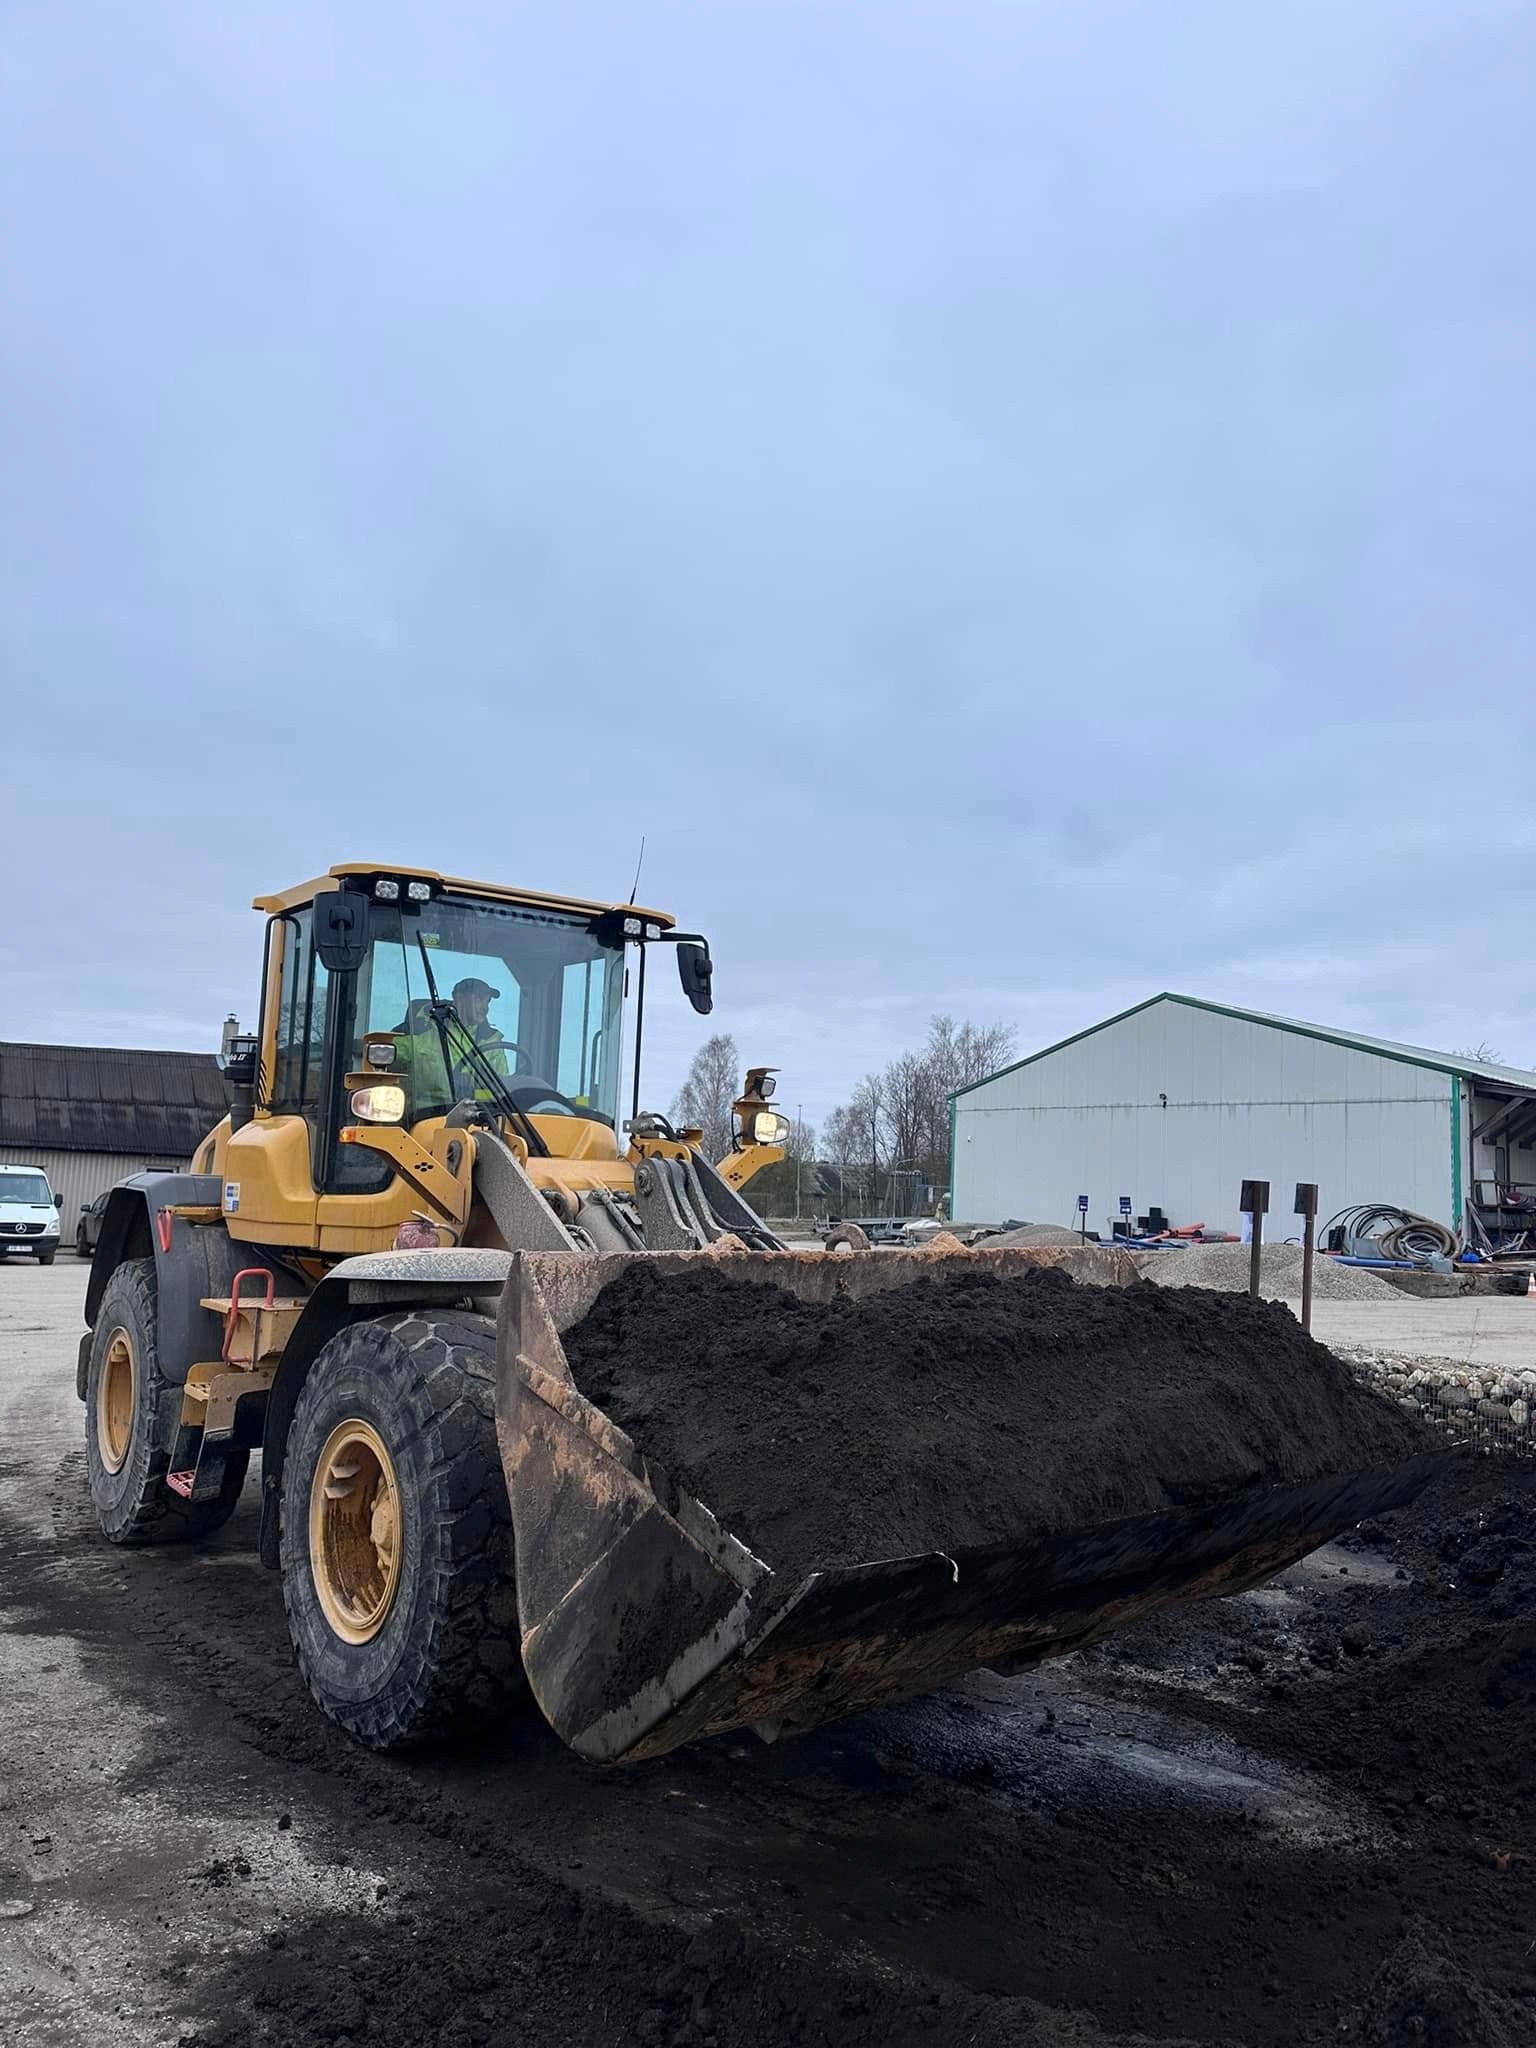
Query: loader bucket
[646, 1624]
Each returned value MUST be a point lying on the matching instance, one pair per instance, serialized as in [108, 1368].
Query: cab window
[297, 1075]
[550, 1029]
[584, 1024]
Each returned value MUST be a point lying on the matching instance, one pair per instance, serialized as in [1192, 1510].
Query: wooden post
[1255, 1201]
[1306, 1208]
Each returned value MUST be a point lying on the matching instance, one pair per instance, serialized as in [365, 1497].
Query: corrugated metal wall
[79, 1177]
[1243, 1100]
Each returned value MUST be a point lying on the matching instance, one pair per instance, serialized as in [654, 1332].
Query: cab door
[269, 1192]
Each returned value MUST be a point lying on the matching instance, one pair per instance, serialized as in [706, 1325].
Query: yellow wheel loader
[367, 1273]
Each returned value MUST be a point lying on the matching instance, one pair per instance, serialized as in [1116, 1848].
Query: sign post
[1082, 1217]
[1254, 1204]
[1306, 1208]
[1125, 1217]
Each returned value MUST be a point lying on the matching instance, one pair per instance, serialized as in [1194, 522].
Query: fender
[355, 1290]
[192, 1260]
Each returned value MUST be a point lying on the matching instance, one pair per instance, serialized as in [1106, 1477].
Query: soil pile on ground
[1422, 1993]
[1401, 1665]
[1444, 1695]
[1225, 1267]
[966, 1411]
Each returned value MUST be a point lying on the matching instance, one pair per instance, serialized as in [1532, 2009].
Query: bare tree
[845, 1136]
[705, 1098]
[855, 1135]
[898, 1120]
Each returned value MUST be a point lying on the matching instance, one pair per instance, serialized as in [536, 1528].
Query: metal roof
[90, 1098]
[1518, 1080]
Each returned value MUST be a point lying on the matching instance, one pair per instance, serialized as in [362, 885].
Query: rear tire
[396, 1538]
[82, 1249]
[124, 1456]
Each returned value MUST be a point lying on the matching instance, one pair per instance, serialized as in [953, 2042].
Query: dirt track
[1135, 1847]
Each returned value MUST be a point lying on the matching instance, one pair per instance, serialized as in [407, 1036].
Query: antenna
[639, 864]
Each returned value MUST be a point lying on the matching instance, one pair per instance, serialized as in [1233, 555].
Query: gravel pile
[1029, 1234]
[1224, 1267]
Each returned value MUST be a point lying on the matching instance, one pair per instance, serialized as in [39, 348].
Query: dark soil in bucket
[968, 1411]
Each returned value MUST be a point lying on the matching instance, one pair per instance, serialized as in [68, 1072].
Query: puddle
[1032, 1741]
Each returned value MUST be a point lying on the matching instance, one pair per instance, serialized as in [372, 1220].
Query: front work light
[769, 1128]
[386, 890]
[419, 892]
[383, 1103]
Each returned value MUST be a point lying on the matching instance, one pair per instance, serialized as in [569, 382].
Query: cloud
[1021, 508]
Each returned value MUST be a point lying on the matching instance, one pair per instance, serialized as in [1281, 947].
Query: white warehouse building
[1177, 1102]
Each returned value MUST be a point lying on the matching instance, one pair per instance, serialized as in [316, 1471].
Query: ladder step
[219, 1303]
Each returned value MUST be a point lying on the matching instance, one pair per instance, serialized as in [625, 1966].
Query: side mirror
[341, 931]
[695, 970]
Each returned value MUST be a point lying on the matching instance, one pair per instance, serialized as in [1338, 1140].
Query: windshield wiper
[445, 1014]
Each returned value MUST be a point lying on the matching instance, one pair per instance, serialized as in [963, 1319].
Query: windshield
[538, 994]
[30, 1189]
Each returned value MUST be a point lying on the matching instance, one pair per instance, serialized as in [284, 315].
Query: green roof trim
[1521, 1079]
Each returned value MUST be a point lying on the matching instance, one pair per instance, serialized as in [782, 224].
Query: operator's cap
[472, 985]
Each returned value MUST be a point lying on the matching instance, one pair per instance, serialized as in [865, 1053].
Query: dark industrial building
[88, 1115]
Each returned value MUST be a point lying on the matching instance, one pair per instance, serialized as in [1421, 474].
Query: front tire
[124, 1392]
[396, 1539]
[45, 1258]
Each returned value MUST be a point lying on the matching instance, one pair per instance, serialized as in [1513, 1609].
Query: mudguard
[192, 1260]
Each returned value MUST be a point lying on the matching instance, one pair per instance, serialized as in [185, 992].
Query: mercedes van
[29, 1215]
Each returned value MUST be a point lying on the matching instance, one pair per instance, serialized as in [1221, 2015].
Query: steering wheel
[537, 1097]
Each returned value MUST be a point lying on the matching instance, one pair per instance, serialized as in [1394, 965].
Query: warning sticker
[231, 1197]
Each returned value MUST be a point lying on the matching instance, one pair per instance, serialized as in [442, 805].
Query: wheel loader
[426, 1178]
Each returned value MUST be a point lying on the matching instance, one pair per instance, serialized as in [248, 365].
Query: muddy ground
[1300, 1816]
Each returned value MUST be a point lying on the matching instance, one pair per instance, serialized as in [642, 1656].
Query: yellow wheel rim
[354, 1531]
[116, 1398]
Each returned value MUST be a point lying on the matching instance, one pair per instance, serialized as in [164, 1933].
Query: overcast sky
[1023, 505]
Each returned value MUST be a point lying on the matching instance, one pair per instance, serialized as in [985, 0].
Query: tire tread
[468, 1667]
[157, 1514]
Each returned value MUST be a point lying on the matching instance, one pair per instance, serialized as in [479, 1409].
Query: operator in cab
[472, 998]
[419, 1049]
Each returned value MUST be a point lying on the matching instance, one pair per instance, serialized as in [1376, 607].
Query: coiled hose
[1380, 1230]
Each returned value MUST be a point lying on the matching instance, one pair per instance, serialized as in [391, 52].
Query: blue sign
[1082, 1203]
[1125, 1205]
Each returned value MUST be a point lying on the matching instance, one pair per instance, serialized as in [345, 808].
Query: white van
[29, 1214]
